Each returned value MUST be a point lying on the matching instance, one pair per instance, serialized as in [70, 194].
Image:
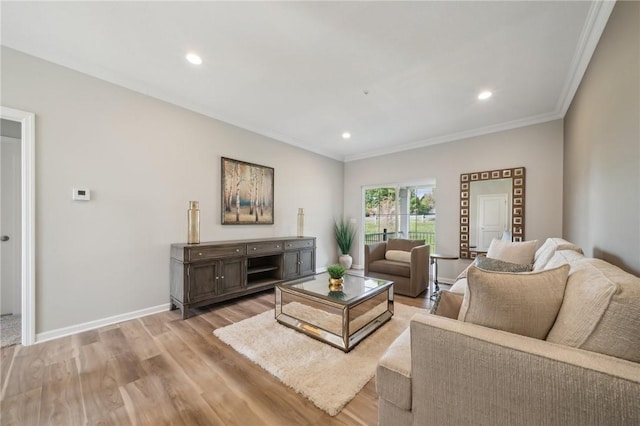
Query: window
[400, 211]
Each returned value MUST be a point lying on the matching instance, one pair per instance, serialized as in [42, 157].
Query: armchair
[405, 262]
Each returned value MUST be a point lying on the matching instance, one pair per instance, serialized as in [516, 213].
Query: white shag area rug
[10, 330]
[323, 374]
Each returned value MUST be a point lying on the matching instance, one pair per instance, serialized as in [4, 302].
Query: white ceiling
[298, 71]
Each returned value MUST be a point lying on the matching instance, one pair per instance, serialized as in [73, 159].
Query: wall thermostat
[81, 194]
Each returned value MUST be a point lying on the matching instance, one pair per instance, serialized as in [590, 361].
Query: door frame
[28, 223]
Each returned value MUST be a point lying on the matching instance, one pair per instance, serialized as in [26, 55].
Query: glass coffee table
[340, 318]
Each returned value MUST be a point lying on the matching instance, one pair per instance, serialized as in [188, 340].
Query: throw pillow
[549, 248]
[460, 286]
[521, 303]
[543, 254]
[562, 257]
[398, 255]
[489, 264]
[508, 251]
[600, 311]
[447, 304]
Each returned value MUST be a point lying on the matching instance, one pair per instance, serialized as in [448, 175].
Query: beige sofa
[443, 371]
[405, 262]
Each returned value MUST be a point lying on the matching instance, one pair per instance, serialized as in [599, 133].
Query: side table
[434, 261]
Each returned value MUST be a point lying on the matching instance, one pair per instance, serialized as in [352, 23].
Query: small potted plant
[345, 237]
[336, 272]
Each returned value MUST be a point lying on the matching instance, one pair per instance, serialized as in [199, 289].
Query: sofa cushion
[398, 255]
[402, 244]
[508, 251]
[564, 257]
[521, 303]
[489, 264]
[460, 286]
[391, 267]
[447, 304]
[394, 370]
[548, 249]
[600, 311]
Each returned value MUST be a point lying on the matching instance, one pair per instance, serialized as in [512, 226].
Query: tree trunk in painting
[238, 180]
[259, 195]
[255, 194]
[229, 184]
[252, 191]
[225, 190]
[262, 191]
[228, 195]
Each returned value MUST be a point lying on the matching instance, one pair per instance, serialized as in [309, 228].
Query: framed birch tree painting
[247, 193]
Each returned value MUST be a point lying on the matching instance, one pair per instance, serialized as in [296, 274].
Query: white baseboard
[73, 329]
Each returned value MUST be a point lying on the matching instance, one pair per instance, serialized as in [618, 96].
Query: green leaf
[345, 235]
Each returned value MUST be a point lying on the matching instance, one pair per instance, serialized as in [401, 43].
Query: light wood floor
[161, 370]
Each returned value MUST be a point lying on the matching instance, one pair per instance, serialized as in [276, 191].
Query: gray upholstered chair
[405, 262]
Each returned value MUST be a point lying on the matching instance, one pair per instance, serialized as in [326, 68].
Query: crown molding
[594, 27]
[523, 122]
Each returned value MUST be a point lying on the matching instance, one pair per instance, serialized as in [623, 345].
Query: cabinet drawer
[201, 253]
[298, 244]
[265, 247]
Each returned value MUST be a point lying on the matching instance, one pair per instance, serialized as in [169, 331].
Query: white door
[492, 218]
[10, 233]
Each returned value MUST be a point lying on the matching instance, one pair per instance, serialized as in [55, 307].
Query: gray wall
[602, 147]
[143, 160]
[538, 148]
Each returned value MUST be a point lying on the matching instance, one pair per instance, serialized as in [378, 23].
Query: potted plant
[336, 272]
[345, 236]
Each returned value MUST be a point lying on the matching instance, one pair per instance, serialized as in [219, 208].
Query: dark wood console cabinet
[206, 273]
[299, 258]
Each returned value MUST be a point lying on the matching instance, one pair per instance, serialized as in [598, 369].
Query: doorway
[10, 235]
[17, 248]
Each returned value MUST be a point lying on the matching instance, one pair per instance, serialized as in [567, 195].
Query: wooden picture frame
[247, 193]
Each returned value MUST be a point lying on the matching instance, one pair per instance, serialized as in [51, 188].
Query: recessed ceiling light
[194, 59]
[484, 95]
[346, 135]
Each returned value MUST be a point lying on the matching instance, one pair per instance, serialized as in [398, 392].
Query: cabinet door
[232, 277]
[291, 264]
[202, 281]
[307, 266]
